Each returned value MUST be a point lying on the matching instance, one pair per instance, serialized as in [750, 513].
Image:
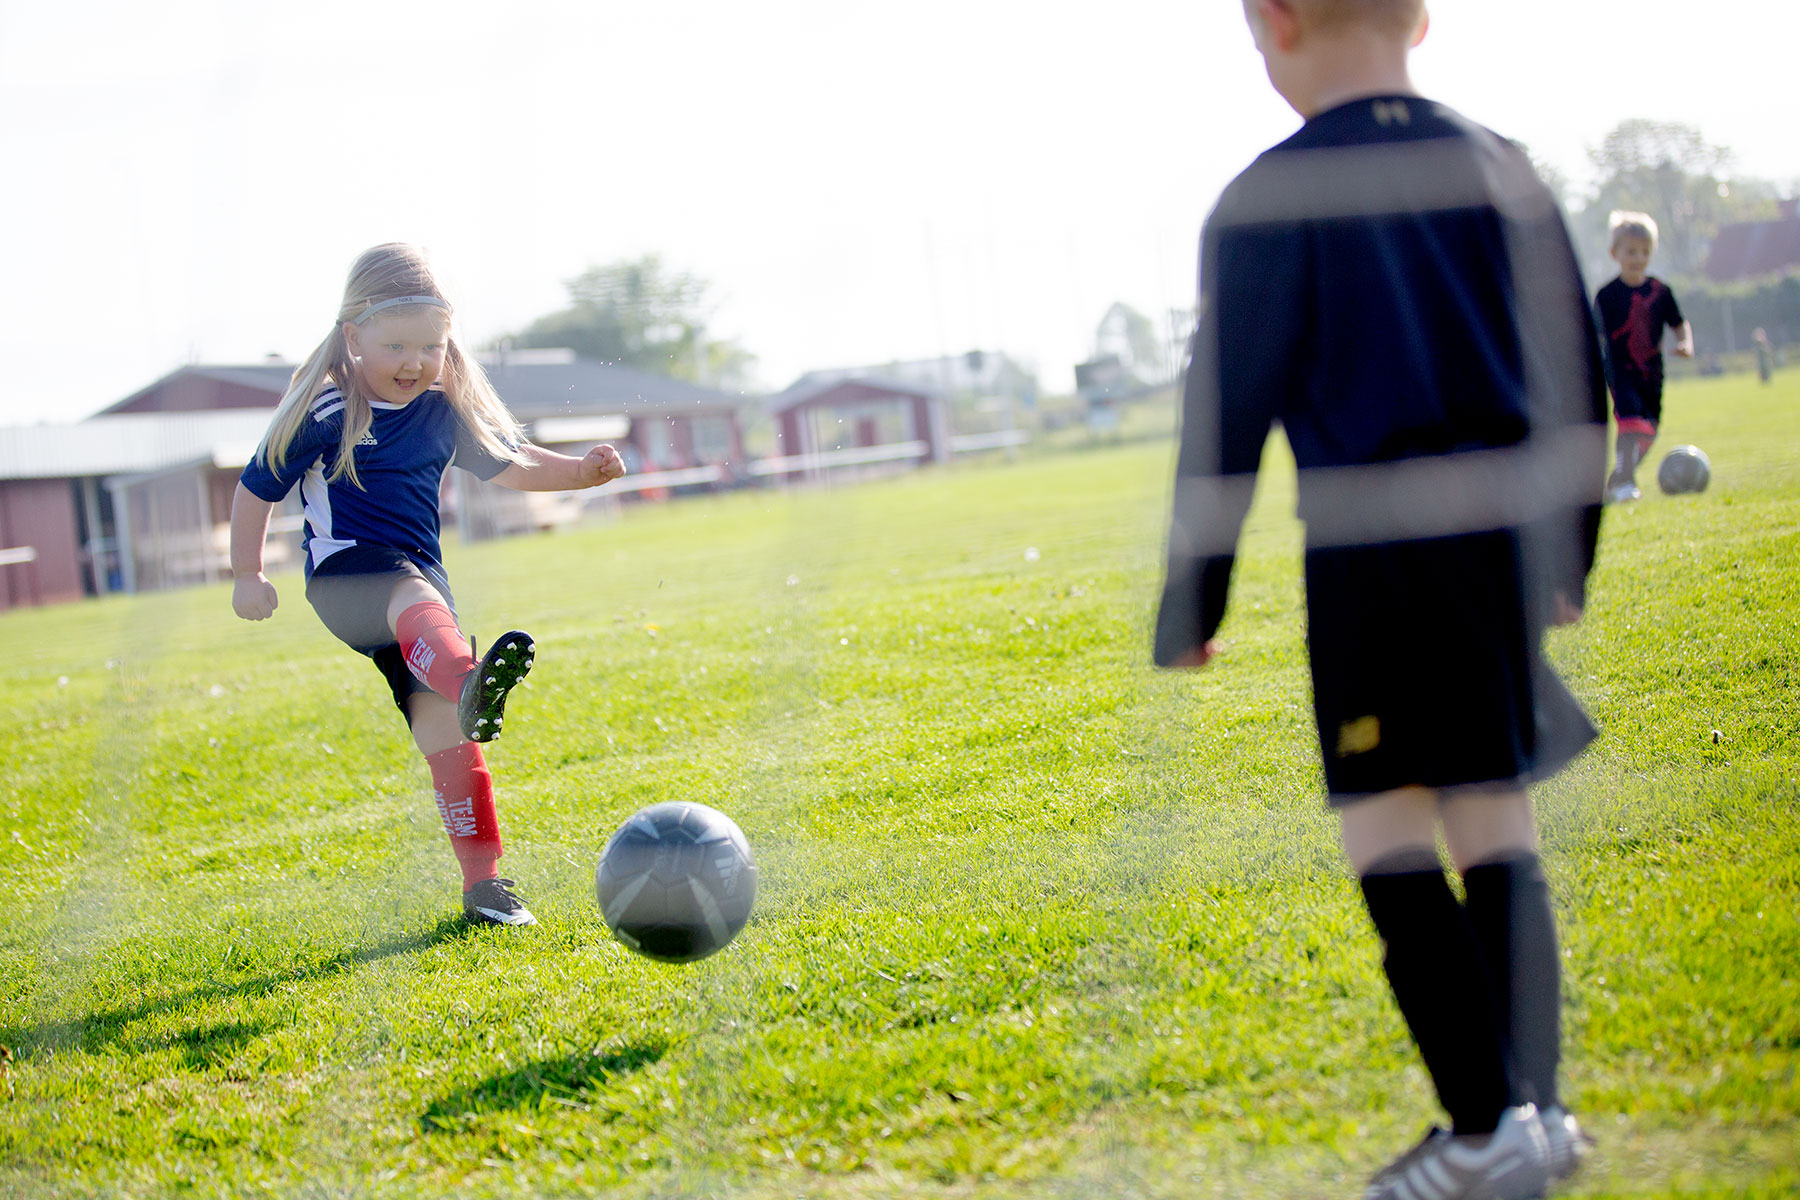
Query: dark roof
[1753, 249]
[198, 388]
[533, 384]
[274, 376]
[853, 387]
[537, 385]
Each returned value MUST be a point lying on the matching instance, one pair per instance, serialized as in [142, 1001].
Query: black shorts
[1427, 670]
[1637, 396]
[350, 591]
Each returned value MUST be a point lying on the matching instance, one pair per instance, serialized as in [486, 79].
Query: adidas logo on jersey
[368, 439]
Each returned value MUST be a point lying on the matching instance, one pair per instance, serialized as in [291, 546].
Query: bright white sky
[189, 180]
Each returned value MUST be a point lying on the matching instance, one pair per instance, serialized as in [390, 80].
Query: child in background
[1765, 355]
[372, 420]
[1634, 309]
[1396, 287]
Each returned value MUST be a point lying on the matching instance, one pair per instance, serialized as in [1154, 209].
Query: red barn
[138, 497]
[1754, 249]
[828, 419]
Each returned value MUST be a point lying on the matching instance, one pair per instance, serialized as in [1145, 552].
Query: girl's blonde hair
[387, 272]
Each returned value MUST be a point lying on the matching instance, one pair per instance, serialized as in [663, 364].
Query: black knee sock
[1439, 977]
[1509, 906]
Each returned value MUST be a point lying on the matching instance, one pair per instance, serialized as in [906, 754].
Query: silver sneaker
[1568, 1144]
[1512, 1163]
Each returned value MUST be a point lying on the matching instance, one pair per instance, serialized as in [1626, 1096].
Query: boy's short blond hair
[1392, 16]
[1632, 225]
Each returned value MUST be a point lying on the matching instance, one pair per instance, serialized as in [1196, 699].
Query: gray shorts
[350, 591]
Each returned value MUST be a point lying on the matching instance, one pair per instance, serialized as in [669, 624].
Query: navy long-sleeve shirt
[1396, 287]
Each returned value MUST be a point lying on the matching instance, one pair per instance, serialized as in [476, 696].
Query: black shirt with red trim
[1634, 319]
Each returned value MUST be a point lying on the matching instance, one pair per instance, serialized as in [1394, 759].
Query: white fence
[815, 464]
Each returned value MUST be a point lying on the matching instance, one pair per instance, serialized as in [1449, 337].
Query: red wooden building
[828, 418]
[1755, 249]
[138, 496]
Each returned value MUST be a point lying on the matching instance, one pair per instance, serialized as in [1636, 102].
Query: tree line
[641, 313]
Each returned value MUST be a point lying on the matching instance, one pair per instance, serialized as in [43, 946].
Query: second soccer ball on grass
[1684, 469]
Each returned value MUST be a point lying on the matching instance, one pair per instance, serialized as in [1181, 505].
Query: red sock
[436, 651]
[465, 801]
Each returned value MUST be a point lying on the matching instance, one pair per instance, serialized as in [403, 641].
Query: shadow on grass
[213, 1045]
[105, 1027]
[562, 1081]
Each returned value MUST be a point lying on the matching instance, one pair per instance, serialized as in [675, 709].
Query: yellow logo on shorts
[1359, 736]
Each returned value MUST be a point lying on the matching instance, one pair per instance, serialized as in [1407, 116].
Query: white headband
[396, 302]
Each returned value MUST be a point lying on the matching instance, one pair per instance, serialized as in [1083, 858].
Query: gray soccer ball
[676, 881]
[1685, 470]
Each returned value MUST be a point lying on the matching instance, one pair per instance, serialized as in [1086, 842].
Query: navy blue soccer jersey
[401, 463]
[1395, 287]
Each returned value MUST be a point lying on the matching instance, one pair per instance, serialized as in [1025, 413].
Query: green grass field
[1036, 920]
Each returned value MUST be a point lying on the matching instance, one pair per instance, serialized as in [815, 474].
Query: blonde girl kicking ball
[372, 419]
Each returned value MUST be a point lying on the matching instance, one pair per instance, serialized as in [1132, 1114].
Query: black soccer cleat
[482, 705]
[493, 902]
